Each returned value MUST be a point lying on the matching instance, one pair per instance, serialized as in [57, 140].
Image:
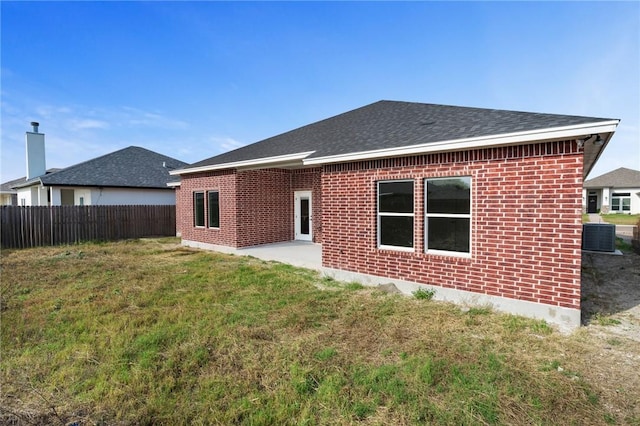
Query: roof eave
[558, 133]
[287, 160]
[34, 182]
[87, 185]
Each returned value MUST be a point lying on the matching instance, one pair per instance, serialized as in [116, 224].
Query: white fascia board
[256, 162]
[30, 184]
[558, 133]
[173, 184]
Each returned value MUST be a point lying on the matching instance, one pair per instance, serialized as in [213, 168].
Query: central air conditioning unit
[599, 237]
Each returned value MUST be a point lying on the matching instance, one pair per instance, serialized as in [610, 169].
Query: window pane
[304, 216]
[447, 233]
[395, 197]
[451, 195]
[396, 231]
[198, 208]
[615, 203]
[626, 204]
[214, 209]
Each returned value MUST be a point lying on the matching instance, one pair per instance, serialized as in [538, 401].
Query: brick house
[482, 205]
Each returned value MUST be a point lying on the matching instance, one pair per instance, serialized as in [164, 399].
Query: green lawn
[150, 333]
[621, 219]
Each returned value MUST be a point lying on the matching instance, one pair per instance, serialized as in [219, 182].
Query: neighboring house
[8, 193]
[614, 192]
[130, 176]
[482, 204]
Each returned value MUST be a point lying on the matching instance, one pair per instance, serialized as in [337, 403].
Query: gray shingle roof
[11, 184]
[131, 167]
[8, 186]
[618, 178]
[392, 124]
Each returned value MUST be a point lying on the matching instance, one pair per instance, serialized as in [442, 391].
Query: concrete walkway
[595, 218]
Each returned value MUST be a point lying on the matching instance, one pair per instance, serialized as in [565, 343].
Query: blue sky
[195, 79]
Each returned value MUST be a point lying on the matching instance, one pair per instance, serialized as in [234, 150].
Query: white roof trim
[557, 133]
[173, 184]
[246, 163]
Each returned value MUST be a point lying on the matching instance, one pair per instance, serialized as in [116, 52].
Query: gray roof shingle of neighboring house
[132, 167]
[618, 178]
[393, 124]
[7, 187]
[11, 184]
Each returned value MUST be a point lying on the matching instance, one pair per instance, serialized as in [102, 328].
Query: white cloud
[87, 123]
[226, 143]
[135, 117]
[50, 111]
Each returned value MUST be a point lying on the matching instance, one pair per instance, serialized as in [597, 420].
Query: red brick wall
[223, 181]
[178, 218]
[256, 206]
[526, 222]
[265, 207]
[310, 180]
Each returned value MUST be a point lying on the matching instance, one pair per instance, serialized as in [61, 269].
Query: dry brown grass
[152, 333]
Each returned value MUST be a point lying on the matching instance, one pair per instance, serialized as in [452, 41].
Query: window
[214, 209]
[395, 214]
[615, 203]
[448, 214]
[198, 208]
[66, 197]
[621, 201]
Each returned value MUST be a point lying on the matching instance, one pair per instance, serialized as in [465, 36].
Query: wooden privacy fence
[22, 227]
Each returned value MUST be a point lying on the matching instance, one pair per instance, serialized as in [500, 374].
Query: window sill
[396, 248]
[444, 253]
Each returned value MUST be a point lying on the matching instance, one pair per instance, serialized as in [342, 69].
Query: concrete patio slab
[304, 254]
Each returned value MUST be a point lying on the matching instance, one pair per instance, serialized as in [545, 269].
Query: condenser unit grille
[599, 237]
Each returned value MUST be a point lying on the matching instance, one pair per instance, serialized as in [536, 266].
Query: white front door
[303, 217]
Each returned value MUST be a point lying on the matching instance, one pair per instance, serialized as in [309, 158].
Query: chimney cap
[35, 123]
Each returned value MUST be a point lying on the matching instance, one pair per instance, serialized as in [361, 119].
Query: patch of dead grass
[151, 332]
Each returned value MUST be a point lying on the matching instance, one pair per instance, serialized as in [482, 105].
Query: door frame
[298, 196]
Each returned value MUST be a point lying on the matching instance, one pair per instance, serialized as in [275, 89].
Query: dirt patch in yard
[611, 293]
[611, 319]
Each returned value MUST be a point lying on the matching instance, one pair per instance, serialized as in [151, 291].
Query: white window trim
[457, 216]
[620, 199]
[379, 214]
